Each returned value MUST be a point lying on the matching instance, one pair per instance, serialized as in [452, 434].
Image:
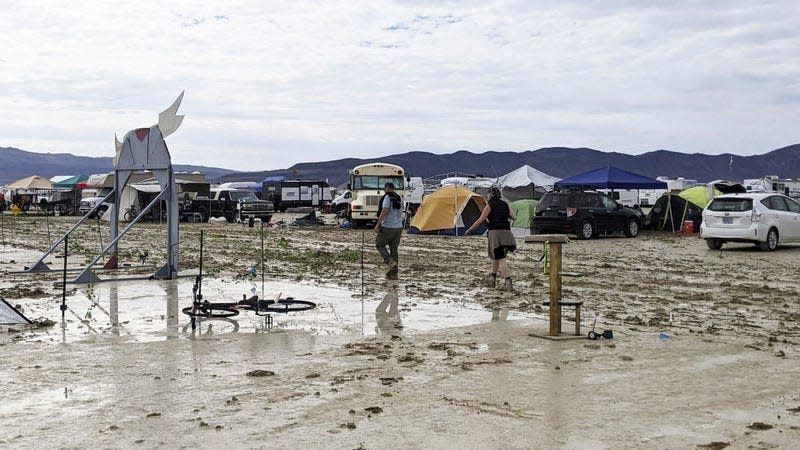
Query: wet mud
[704, 355]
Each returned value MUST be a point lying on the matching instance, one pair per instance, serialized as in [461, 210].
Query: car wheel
[772, 241]
[632, 230]
[230, 218]
[587, 230]
[101, 211]
[714, 244]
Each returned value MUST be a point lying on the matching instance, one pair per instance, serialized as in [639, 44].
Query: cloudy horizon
[269, 84]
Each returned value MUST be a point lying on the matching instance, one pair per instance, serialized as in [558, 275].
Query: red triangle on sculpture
[142, 133]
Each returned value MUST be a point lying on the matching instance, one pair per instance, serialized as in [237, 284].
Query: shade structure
[611, 178]
[71, 182]
[31, 182]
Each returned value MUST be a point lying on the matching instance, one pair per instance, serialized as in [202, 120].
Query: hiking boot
[492, 281]
[392, 273]
[507, 285]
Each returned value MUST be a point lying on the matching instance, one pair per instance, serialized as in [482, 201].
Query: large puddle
[151, 310]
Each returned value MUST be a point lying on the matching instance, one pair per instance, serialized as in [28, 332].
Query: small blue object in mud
[663, 336]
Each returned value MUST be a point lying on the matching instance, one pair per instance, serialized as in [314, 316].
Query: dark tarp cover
[611, 178]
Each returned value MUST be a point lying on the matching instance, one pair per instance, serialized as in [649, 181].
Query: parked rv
[287, 194]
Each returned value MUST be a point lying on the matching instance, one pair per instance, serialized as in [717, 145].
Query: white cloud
[271, 84]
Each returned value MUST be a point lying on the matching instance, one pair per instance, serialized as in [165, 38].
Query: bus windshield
[377, 182]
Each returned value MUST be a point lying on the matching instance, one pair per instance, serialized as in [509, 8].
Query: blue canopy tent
[611, 178]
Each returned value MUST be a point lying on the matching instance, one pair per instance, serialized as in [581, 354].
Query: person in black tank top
[501, 241]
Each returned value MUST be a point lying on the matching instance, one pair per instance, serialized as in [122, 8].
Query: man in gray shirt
[389, 228]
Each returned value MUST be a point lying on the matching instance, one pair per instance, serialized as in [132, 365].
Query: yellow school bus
[366, 185]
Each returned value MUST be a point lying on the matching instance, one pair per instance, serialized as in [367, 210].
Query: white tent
[525, 182]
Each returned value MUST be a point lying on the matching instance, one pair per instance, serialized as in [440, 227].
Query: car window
[775, 203]
[793, 205]
[608, 202]
[553, 200]
[731, 204]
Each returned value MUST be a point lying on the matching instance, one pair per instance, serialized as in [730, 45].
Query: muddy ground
[705, 350]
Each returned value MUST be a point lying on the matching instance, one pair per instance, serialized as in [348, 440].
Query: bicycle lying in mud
[225, 310]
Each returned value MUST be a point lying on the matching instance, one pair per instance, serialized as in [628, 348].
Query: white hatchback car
[763, 218]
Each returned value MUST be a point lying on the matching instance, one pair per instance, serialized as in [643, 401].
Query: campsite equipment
[450, 211]
[606, 334]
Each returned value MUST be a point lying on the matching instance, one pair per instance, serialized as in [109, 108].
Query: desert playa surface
[705, 350]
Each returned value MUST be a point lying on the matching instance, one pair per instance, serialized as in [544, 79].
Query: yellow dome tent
[449, 211]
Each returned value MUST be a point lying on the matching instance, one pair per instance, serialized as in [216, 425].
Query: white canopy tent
[525, 182]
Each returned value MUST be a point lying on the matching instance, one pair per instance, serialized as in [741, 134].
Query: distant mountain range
[557, 161]
[16, 164]
[561, 162]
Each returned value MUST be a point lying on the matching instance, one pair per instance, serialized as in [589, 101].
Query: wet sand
[452, 365]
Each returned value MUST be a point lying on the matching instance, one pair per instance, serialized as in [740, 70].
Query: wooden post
[555, 242]
[555, 288]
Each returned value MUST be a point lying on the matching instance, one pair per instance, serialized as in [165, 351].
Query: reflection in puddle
[151, 310]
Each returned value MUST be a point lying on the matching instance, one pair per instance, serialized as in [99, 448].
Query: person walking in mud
[501, 240]
[390, 229]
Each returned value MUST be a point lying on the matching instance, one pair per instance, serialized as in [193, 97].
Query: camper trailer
[286, 194]
[648, 197]
[771, 183]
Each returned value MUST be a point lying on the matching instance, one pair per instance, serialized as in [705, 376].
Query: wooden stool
[577, 305]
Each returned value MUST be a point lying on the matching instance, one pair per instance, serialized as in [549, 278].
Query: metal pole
[200, 284]
[100, 234]
[362, 268]
[263, 269]
[47, 226]
[64, 281]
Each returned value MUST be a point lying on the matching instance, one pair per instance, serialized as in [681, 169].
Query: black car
[586, 213]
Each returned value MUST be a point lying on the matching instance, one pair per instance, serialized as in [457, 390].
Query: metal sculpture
[141, 149]
[145, 149]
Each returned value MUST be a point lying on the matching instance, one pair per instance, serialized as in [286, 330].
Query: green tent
[525, 210]
[697, 195]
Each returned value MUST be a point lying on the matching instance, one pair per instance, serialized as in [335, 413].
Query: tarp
[10, 316]
[31, 182]
[611, 178]
[449, 211]
[524, 210]
[69, 182]
[275, 178]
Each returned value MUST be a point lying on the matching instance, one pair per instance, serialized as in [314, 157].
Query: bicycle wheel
[288, 305]
[209, 310]
[129, 216]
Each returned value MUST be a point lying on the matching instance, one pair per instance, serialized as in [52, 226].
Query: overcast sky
[270, 84]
